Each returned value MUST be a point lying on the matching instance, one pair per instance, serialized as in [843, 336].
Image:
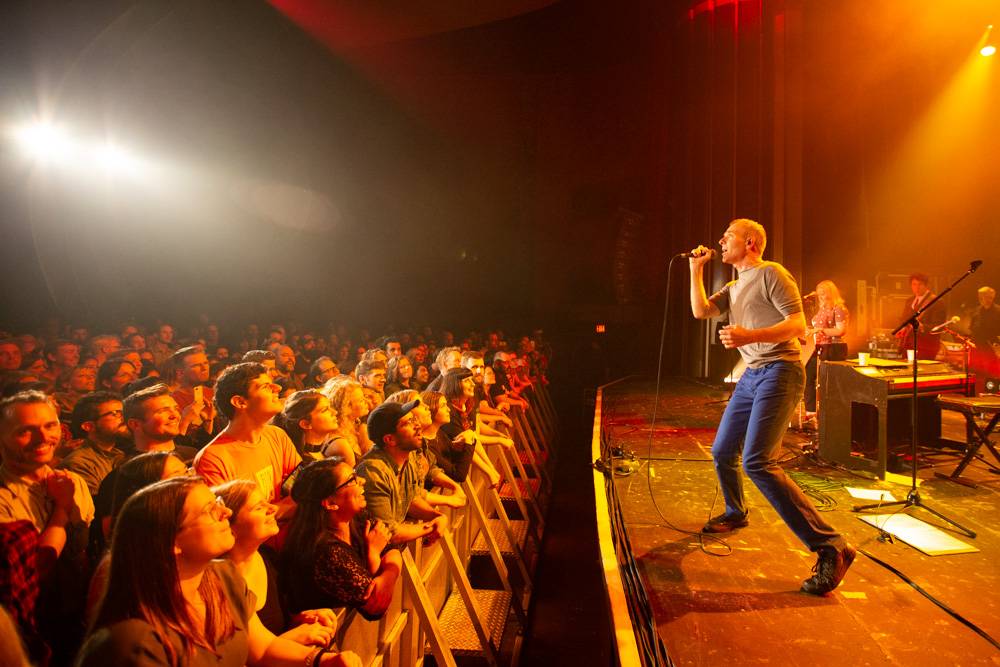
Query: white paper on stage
[871, 494]
[919, 535]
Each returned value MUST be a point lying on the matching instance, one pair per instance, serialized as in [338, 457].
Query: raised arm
[701, 307]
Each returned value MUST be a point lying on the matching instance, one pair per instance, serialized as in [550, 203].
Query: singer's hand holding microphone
[699, 256]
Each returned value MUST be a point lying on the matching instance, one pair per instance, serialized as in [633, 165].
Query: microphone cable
[727, 550]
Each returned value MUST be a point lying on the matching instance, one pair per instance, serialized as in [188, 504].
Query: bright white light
[44, 142]
[988, 50]
[115, 159]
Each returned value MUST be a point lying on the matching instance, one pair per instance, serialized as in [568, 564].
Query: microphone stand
[913, 497]
[967, 347]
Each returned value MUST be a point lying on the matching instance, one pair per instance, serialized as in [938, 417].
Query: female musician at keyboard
[828, 327]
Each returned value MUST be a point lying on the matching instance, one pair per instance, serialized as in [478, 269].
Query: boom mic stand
[967, 347]
[913, 497]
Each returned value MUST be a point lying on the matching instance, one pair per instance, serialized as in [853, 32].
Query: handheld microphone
[809, 296]
[710, 252]
[944, 325]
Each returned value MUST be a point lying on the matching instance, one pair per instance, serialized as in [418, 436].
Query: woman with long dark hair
[136, 473]
[170, 601]
[459, 389]
[398, 375]
[453, 455]
[310, 421]
[332, 559]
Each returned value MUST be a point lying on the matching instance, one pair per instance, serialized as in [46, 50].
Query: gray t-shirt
[762, 296]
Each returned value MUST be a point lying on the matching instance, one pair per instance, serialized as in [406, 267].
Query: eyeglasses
[353, 479]
[216, 509]
[110, 413]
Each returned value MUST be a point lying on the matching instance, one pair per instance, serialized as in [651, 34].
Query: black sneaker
[726, 523]
[830, 568]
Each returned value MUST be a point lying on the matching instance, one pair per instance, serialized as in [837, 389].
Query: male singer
[765, 321]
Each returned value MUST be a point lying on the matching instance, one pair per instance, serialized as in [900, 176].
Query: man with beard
[285, 368]
[30, 489]
[392, 346]
[63, 356]
[393, 488]
[115, 373]
[98, 418]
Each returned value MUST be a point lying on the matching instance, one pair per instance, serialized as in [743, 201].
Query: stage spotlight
[115, 159]
[44, 142]
[988, 48]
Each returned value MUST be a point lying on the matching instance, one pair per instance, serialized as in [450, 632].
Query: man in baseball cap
[393, 489]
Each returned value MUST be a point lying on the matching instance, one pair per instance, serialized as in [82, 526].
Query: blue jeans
[753, 424]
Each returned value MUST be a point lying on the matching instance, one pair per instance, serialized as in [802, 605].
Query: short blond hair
[986, 289]
[754, 231]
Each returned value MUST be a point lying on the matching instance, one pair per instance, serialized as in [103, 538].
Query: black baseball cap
[383, 419]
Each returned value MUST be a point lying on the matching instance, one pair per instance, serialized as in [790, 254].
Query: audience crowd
[209, 499]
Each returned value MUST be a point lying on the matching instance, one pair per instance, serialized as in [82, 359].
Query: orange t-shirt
[267, 461]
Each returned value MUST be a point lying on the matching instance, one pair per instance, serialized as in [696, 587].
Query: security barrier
[437, 608]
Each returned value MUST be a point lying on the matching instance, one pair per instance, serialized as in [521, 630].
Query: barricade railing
[435, 607]
[636, 640]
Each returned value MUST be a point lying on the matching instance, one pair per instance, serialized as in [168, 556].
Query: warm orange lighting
[600, 328]
[988, 50]
[947, 139]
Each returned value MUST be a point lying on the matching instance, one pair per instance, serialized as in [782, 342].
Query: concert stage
[744, 607]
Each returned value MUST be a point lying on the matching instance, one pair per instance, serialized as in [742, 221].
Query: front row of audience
[294, 507]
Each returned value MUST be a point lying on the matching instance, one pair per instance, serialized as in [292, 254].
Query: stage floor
[745, 608]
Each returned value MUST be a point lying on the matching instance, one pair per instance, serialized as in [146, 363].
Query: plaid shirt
[19, 574]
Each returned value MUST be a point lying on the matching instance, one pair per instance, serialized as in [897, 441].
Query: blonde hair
[831, 287]
[337, 389]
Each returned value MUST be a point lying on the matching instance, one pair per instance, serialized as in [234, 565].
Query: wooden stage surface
[745, 608]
